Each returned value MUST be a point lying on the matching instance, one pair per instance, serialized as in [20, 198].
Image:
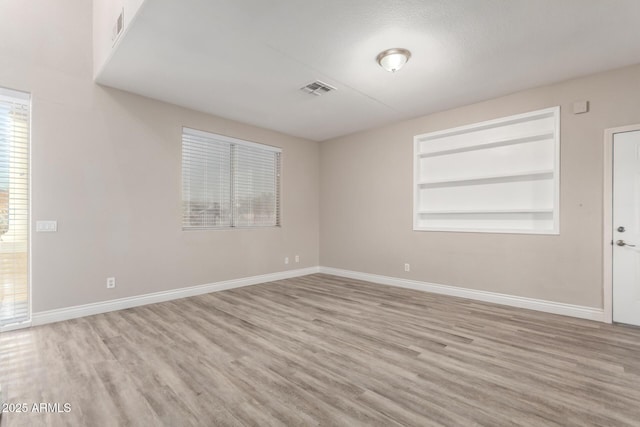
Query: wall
[366, 200]
[105, 15]
[106, 166]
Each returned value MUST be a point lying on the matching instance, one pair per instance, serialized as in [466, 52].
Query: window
[228, 182]
[14, 208]
[499, 176]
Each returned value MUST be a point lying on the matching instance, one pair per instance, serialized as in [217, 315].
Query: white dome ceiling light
[393, 59]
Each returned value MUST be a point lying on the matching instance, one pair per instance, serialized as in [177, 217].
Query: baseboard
[15, 326]
[74, 312]
[578, 311]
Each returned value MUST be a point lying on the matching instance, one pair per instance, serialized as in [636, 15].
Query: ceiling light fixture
[393, 59]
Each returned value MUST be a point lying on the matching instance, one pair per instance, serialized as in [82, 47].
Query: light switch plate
[46, 226]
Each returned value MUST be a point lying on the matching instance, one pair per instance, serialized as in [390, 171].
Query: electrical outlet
[111, 282]
[407, 267]
[286, 260]
[297, 258]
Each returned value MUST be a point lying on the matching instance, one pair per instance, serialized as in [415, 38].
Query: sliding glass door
[14, 208]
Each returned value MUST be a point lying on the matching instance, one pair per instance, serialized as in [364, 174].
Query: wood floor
[323, 350]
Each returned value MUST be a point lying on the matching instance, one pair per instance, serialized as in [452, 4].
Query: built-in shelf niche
[498, 176]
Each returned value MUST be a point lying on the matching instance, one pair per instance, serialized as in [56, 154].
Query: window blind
[228, 182]
[14, 207]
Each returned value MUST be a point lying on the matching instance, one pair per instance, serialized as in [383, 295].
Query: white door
[626, 228]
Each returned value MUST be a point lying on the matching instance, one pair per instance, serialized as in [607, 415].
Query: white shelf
[498, 176]
[484, 211]
[521, 139]
[500, 122]
[505, 177]
[488, 230]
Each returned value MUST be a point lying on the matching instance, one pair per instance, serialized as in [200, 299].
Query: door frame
[607, 219]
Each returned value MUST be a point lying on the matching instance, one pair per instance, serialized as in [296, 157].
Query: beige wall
[106, 165]
[105, 15]
[366, 200]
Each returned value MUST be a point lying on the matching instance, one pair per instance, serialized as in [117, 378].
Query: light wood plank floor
[322, 350]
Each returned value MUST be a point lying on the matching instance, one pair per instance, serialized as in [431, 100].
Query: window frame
[233, 142]
[13, 236]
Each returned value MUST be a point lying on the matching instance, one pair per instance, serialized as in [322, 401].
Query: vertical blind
[14, 207]
[228, 182]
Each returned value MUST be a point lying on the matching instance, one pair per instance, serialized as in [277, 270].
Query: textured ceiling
[247, 59]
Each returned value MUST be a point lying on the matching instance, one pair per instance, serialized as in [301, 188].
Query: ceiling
[247, 59]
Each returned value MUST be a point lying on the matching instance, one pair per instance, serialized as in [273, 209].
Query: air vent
[317, 88]
[117, 28]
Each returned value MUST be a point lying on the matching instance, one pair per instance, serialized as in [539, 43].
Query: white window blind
[14, 207]
[228, 182]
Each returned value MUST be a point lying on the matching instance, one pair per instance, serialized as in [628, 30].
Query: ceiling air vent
[317, 88]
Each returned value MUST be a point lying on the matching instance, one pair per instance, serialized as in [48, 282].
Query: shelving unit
[524, 175]
[490, 144]
[485, 211]
[496, 176]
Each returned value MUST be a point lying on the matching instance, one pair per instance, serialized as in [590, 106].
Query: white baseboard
[579, 311]
[67, 313]
[15, 326]
[57, 315]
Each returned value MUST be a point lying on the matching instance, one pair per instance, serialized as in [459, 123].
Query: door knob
[621, 229]
[622, 243]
